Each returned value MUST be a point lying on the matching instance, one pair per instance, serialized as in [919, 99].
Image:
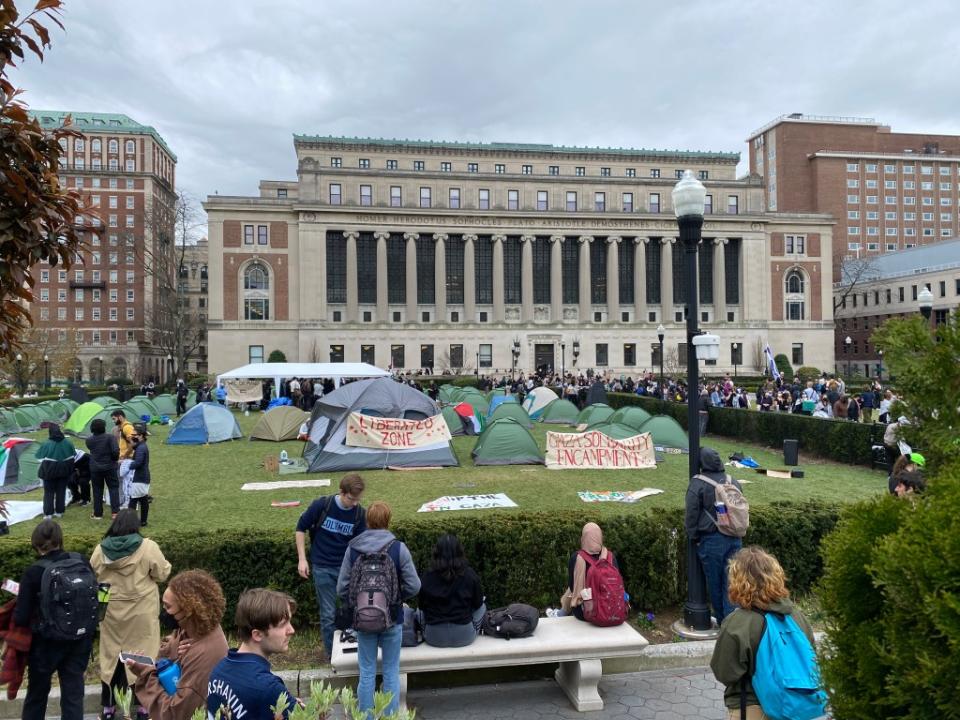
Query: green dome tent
[105, 400]
[60, 408]
[633, 416]
[279, 423]
[79, 422]
[138, 407]
[70, 404]
[666, 433]
[8, 422]
[191, 398]
[506, 442]
[594, 413]
[614, 430]
[166, 404]
[454, 422]
[19, 466]
[497, 392]
[446, 393]
[26, 417]
[511, 410]
[46, 413]
[560, 412]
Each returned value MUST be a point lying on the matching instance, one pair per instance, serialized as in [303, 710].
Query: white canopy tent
[280, 371]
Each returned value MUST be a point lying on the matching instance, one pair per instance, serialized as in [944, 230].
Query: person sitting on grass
[591, 543]
[451, 601]
[241, 685]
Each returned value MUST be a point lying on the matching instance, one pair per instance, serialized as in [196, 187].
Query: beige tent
[280, 423]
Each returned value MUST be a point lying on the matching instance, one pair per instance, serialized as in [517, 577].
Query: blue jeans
[715, 551]
[453, 634]
[325, 583]
[389, 641]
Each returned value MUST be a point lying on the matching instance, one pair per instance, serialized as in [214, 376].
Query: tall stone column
[666, 279]
[584, 281]
[352, 286]
[639, 279]
[526, 278]
[411, 239]
[497, 241]
[382, 311]
[469, 279]
[719, 289]
[556, 278]
[613, 279]
[440, 276]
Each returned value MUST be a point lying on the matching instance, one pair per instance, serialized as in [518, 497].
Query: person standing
[332, 522]
[182, 393]
[56, 457]
[140, 487]
[377, 538]
[124, 432]
[50, 653]
[714, 548]
[104, 454]
[241, 684]
[132, 566]
[221, 393]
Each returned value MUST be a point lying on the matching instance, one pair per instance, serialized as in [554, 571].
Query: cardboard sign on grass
[395, 433]
[594, 450]
[624, 496]
[468, 502]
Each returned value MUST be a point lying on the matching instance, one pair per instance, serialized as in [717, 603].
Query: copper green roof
[107, 123]
[517, 147]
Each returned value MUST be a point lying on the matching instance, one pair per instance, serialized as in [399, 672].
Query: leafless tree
[57, 346]
[853, 273]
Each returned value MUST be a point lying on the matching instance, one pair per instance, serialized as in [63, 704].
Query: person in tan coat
[132, 565]
[193, 606]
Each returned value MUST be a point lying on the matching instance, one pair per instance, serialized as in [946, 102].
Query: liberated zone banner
[395, 433]
[595, 450]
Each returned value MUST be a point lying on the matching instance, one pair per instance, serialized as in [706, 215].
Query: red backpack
[608, 605]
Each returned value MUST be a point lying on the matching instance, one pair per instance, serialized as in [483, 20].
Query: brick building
[417, 254]
[109, 299]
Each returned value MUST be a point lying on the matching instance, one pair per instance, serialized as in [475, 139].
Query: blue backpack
[787, 680]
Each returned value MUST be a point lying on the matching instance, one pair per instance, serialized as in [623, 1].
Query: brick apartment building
[887, 191]
[109, 300]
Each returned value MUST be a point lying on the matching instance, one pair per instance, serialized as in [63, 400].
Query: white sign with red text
[594, 450]
[395, 433]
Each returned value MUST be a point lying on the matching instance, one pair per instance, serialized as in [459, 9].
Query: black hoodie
[701, 515]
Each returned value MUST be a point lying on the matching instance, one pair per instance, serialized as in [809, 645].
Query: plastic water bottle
[168, 673]
[284, 457]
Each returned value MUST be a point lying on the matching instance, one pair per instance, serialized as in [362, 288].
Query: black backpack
[68, 599]
[513, 621]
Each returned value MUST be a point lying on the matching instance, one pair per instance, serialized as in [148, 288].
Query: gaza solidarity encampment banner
[595, 450]
[395, 433]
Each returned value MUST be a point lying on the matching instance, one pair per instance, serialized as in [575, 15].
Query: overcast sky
[228, 83]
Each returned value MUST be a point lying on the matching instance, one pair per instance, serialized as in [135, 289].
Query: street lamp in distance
[515, 351]
[661, 332]
[925, 301]
[46, 372]
[576, 351]
[737, 349]
[100, 370]
[563, 360]
[20, 383]
[847, 341]
[880, 366]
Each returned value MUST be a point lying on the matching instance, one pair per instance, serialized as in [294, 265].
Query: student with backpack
[376, 576]
[595, 591]
[63, 618]
[332, 522]
[764, 654]
[716, 518]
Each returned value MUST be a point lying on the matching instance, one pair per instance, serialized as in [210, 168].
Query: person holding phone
[131, 565]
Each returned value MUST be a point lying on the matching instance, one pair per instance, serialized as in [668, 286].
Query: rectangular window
[890, 199]
[336, 268]
[261, 234]
[872, 199]
[602, 355]
[129, 221]
[335, 193]
[733, 204]
[908, 169]
[499, 169]
[926, 185]
[453, 262]
[581, 171]
[890, 184]
[542, 200]
[541, 270]
[513, 199]
[797, 354]
[392, 165]
[554, 169]
[485, 354]
[483, 265]
[473, 167]
[944, 170]
[945, 186]
[655, 172]
[571, 201]
[630, 172]
[890, 215]
[483, 199]
[604, 172]
[873, 231]
[703, 174]
[61, 313]
[512, 270]
[130, 165]
[396, 196]
[654, 202]
[599, 201]
[678, 174]
[890, 231]
[527, 170]
[853, 167]
[455, 198]
[871, 167]
[945, 201]
[419, 165]
[569, 267]
[255, 353]
[853, 230]
[130, 200]
[366, 195]
[248, 234]
[397, 360]
[909, 185]
[926, 169]
[627, 202]
[446, 167]
[853, 214]
[113, 314]
[629, 354]
[708, 205]
[425, 197]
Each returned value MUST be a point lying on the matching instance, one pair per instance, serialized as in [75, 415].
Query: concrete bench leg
[579, 681]
[403, 691]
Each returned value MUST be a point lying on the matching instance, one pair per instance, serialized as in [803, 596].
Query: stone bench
[577, 646]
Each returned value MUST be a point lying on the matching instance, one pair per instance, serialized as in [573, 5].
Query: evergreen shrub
[783, 365]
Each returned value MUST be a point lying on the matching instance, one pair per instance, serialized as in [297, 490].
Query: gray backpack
[375, 589]
[735, 521]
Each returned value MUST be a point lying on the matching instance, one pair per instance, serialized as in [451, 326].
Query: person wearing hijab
[591, 542]
[56, 468]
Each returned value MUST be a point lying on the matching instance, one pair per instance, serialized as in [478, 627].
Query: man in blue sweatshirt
[332, 522]
[241, 685]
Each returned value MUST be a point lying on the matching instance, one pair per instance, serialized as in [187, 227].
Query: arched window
[256, 292]
[131, 147]
[113, 146]
[795, 296]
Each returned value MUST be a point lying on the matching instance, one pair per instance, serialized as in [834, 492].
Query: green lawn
[198, 487]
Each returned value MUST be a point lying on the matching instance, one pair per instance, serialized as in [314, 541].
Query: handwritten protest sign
[395, 433]
[624, 496]
[467, 502]
[598, 451]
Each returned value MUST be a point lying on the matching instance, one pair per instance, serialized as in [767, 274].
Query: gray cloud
[227, 84]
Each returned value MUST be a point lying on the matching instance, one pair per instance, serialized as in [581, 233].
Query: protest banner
[594, 450]
[243, 391]
[468, 502]
[623, 496]
[395, 433]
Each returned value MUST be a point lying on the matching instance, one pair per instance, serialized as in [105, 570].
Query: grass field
[198, 487]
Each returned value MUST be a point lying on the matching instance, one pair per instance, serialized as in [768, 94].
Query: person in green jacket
[757, 585]
[56, 468]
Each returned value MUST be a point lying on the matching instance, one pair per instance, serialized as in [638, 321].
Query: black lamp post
[736, 359]
[689, 196]
[515, 351]
[847, 342]
[576, 351]
[661, 331]
[563, 358]
[478, 364]
[925, 300]
[169, 369]
[100, 370]
[46, 372]
[880, 366]
[20, 383]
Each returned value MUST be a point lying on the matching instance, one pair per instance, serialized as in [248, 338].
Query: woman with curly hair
[193, 605]
[757, 585]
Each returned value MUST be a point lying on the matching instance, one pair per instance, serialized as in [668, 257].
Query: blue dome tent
[205, 423]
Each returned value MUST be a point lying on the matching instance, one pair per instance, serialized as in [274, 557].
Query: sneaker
[551, 612]
[143, 524]
[48, 517]
[96, 517]
[58, 515]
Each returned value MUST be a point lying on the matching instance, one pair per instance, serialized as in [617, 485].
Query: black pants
[181, 405]
[66, 658]
[80, 487]
[144, 504]
[54, 495]
[117, 682]
[108, 477]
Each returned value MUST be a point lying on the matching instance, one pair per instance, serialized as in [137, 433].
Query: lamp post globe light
[736, 359]
[925, 301]
[847, 341]
[19, 374]
[689, 196]
[880, 365]
[563, 360]
[46, 372]
[661, 332]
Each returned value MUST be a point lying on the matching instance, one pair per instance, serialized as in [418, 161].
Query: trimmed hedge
[519, 556]
[839, 440]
